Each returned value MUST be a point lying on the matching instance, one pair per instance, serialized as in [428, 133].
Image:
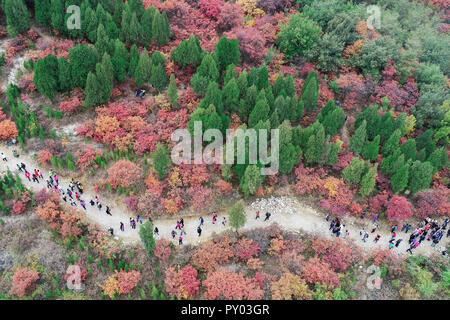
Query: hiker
[397, 243]
[64, 198]
[174, 233]
[40, 174]
[328, 217]
[108, 211]
[331, 225]
[374, 228]
[408, 228]
[77, 196]
[267, 216]
[214, 218]
[99, 206]
[15, 154]
[56, 180]
[69, 193]
[122, 227]
[391, 245]
[257, 215]
[23, 165]
[72, 203]
[394, 228]
[366, 235]
[346, 234]
[83, 204]
[92, 202]
[201, 221]
[377, 238]
[27, 175]
[156, 231]
[375, 218]
[4, 157]
[19, 167]
[182, 222]
[178, 225]
[180, 240]
[111, 230]
[363, 214]
[199, 231]
[71, 186]
[224, 221]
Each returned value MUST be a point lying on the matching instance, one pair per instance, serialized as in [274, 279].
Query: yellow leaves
[410, 123]
[250, 9]
[111, 286]
[332, 185]
[174, 179]
[276, 246]
[254, 264]
[353, 49]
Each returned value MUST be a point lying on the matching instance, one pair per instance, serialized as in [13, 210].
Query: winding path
[296, 218]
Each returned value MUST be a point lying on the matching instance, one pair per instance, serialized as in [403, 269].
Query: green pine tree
[172, 92]
[17, 17]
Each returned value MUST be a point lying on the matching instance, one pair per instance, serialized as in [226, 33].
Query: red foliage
[86, 157]
[18, 207]
[377, 203]
[127, 281]
[337, 253]
[230, 16]
[251, 43]
[23, 281]
[316, 270]
[355, 90]
[162, 249]
[8, 130]
[223, 187]
[211, 254]
[201, 197]
[398, 209]
[124, 173]
[428, 203]
[229, 285]
[44, 156]
[70, 106]
[245, 249]
[211, 8]
[182, 283]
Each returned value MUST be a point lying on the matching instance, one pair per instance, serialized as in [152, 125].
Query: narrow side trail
[294, 217]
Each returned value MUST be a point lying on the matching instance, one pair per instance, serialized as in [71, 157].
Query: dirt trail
[294, 217]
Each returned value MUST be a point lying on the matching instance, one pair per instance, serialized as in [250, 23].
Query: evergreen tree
[425, 141]
[146, 235]
[172, 92]
[160, 33]
[136, 7]
[263, 78]
[358, 140]
[333, 154]
[208, 68]
[133, 31]
[386, 127]
[161, 161]
[399, 179]
[230, 96]
[82, 61]
[188, 53]
[42, 12]
[439, 158]
[105, 77]
[118, 10]
[102, 40]
[64, 75]
[92, 91]
[143, 70]
[315, 142]
[392, 163]
[371, 149]
[227, 52]
[242, 83]
[146, 25]
[158, 78]
[120, 60]
[420, 175]
[289, 157]
[354, 172]
[90, 25]
[259, 113]
[334, 121]
[134, 60]
[230, 73]
[392, 143]
[251, 180]
[408, 148]
[57, 15]
[158, 58]
[248, 102]
[46, 76]
[368, 181]
[17, 17]
[236, 215]
[310, 91]
[199, 84]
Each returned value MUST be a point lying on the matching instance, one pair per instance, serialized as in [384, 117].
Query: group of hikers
[427, 229]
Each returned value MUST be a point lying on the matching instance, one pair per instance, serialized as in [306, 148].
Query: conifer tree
[230, 96]
[134, 60]
[420, 175]
[371, 149]
[188, 53]
[159, 30]
[161, 161]
[368, 181]
[158, 78]
[92, 91]
[17, 17]
[399, 180]
[310, 91]
[57, 15]
[82, 61]
[251, 180]
[120, 60]
[143, 70]
[236, 215]
[146, 25]
[259, 113]
[42, 12]
[408, 148]
[263, 78]
[392, 143]
[227, 52]
[102, 40]
[172, 92]
[64, 75]
[358, 140]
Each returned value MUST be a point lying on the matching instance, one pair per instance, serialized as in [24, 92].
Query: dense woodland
[363, 114]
